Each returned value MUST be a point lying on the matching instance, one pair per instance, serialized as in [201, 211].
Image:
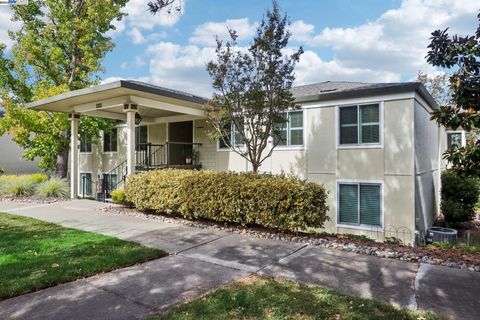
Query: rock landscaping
[449, 257]
[32, 199]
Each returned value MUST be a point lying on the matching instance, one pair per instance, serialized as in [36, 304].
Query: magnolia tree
[58, 47]
[461, 54]
[252, 89]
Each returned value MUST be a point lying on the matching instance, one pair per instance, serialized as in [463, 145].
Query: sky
[344, 40]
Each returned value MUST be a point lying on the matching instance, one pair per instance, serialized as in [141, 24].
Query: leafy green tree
[252, 89]
[59, 47]
[170, 6]
[462, 54]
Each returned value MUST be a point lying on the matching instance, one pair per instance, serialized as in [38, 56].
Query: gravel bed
[32, 199]
[381, 250]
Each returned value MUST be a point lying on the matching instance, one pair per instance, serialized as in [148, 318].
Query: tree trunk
[255, 167]
[62, 162]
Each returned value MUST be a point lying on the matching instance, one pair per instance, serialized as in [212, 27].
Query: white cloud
[180, 67]
[397, 41]
[301, 31]
[311, 69]
[136, 36]
[138, 19]
[7, 24]
[206, 33]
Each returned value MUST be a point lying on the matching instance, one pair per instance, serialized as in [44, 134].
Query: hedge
[272, 201]
[459, 197]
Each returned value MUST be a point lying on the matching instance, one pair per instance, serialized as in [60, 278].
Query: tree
[462, 54]
[59, 47]
[252, 89]
[437, 86]
[171, 6]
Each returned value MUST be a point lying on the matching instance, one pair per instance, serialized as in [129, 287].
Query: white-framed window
[110, 181]
[85, 144]
[292, 130]
[85, 184]
[360, 125]
[455, 138]
[110, 141]
[360, 204]
[141, 136]
[230, 139]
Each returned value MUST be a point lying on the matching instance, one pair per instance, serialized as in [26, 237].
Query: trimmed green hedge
[275, 202]
[459, 197]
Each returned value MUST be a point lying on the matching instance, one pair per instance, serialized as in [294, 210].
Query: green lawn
[271, 299]
[36, 254]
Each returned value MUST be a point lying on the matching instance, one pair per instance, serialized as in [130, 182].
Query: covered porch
[159, 127]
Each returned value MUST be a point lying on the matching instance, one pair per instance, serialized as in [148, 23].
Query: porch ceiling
[106, 100]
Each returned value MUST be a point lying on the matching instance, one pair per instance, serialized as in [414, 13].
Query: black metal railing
[149, 155]
[111, 180]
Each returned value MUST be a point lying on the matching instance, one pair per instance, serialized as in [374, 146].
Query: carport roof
[65, 101]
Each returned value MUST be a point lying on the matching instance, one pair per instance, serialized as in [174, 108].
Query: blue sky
[352, 40]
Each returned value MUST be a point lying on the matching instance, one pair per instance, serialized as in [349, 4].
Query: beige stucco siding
[157, 133]
[11, 159]
[398, 137]
[208, 149]
[427, 152]
[321, 152]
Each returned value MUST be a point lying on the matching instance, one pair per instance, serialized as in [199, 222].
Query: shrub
[19, 186]
[459, 197]
[38, 177]
[276, 202]
[1, 170]
[119, 197]
[55, 187]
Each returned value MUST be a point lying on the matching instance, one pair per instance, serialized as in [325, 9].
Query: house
[372, 145]
[11, 160]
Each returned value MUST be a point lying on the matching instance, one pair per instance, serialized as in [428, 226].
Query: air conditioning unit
[439, 234]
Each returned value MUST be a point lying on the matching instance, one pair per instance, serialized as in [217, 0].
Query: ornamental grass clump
[55, 187]
[273, 201]
[18, 186]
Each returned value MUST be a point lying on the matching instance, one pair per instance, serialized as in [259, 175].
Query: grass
[36, 254]
[262, 298]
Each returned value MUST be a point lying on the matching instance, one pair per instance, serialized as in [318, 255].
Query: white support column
[131, 110]
[74, 119]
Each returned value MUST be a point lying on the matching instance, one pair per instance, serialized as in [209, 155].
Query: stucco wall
[426, 167]
[391, 164]
[11, 158]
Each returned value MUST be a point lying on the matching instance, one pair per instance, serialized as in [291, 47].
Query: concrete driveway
[203, 259]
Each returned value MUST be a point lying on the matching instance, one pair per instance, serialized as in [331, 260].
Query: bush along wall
[459, 198]
[272, 201]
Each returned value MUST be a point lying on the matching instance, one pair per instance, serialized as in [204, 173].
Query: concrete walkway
[203, 259]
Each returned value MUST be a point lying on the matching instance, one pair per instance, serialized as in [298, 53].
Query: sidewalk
[205, 259]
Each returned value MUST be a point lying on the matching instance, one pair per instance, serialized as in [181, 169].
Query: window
[85, 184]
[291, 131]
[85, 143]
[141, 137]
[359, 204]
[110, 141]
[454, 139]
[110, 181]
[359, 124]
[229, 140]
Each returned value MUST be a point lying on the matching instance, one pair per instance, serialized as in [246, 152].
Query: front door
[180, 136]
